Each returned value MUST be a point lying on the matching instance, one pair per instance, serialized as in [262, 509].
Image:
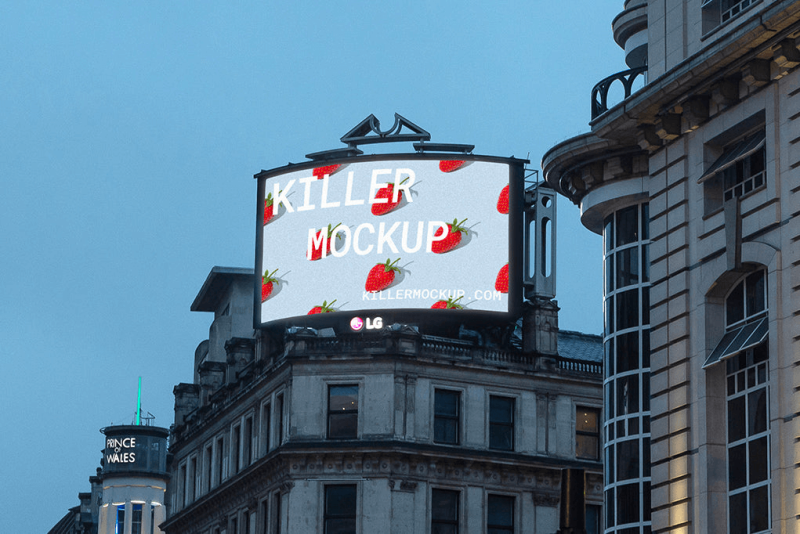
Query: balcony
[601, 91]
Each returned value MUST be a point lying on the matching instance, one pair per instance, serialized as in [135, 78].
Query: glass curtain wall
[626, 262]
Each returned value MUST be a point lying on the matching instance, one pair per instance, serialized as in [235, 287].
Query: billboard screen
[389, 234]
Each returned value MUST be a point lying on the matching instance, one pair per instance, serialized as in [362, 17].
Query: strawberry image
[387, 192]
[451, 240]
[502, 201]
[448, 304]
[320, 172]
[324, 308]
[315, 252]
[268, 282]
[501, 283]
[269, 209]
[381, 276]
[451, 165]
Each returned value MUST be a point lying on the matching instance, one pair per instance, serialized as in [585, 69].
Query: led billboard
[388, 234]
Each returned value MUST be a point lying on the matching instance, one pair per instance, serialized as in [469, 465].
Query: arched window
[745, 318]
[745, 350]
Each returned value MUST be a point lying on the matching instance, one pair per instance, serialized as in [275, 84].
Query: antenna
[139, 404]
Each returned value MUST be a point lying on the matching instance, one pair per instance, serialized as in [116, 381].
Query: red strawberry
[320, 172]
[381, 276]
[316, 252]
[269, 209]
[502, 201]
[267, 282]
[387, 192]
[451, 240]
[451, 165]
[325, 308]
[448, 304]
[501, 284]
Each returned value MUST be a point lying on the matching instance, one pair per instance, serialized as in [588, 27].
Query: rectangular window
[276, 513]
[234, 525]
[748, 442]
[587, 433]
[340, 509]
[208, 466]
[236, 440]
[718, 12]
[446, 416]
[192, 479]
[247, 442]
[444, 512]
[182, 485]
[266, 420]
[265, 516]
[136, 519]
[119, 528]
[500, 515]
[593, 519]
[220, 467]
[343, 412]
[279, 410]
[501, 423]
[737, 172]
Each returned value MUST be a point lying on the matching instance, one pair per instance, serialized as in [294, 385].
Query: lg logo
[357, 323]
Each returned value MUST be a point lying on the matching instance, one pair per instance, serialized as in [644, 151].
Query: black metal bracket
[368, 131]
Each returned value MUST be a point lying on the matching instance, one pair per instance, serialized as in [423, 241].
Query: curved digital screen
[387, 233]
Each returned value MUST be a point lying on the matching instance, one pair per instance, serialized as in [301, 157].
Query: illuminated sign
[385, 233]
[120, 450]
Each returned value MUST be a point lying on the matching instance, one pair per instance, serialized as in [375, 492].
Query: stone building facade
[693, 181]
[392, 431]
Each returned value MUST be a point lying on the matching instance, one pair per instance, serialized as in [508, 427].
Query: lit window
[343, 412]
[444, 512]
[446, 416]
[340, 509]
[587, 433]
[501, 423]
[500, 515]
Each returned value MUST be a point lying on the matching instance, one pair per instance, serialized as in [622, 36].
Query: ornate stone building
[390, 431]
[693, 181]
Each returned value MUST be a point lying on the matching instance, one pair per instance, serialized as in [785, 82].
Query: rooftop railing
[600, 91]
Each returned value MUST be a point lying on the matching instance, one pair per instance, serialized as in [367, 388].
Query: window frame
[585, 433]
[329, 515]
[498, 426]
[447, 417]
[333, 413]
[442, 520]
[497, 528]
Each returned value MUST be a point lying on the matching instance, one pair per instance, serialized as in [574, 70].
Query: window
[265, 516]
[209, 466]
[501, 423]
[745, 318]
[340, 509]
[593, 519]
[220, 459]
[500, 515]
[236, 439]
[343, 412]
[748, 442]
[266, 420]
[276, 513]
[119, 528]
[446, 416]
[192, 479]
[182, 498]
[717, 12]
[279, 410]
[247, 443]
[444, 512]
[739, 171]
[234, 525]
[587, 433]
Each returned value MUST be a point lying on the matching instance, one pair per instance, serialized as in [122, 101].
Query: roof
[218, 281]
[579, 346]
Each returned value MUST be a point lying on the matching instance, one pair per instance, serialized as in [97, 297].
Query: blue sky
[131, 132]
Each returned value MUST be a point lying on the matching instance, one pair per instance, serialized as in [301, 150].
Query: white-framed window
[737, 172]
